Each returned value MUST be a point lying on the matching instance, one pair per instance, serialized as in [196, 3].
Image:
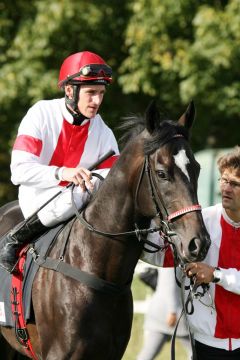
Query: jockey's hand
[202, 273]
[79, 176]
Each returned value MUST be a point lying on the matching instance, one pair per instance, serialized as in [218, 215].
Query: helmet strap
[78, 117]
[74, 101]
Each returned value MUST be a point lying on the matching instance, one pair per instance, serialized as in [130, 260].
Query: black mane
[131, 127]
[134, 125]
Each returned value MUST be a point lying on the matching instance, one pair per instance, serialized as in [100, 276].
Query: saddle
[16, 289]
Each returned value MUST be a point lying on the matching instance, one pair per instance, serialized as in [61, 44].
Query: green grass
[140, 291]
[135, 343]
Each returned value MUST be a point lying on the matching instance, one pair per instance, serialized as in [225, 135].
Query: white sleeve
[31, 173]
[110, 143]
[26, 168]
[230, 280]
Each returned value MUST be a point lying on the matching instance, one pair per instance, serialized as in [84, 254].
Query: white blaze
[181, 160]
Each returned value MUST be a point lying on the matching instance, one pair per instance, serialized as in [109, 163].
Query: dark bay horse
[155, 177]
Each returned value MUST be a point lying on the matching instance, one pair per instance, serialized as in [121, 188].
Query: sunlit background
[174, 51]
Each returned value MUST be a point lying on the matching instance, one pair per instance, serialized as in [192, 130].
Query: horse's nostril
[194, 246]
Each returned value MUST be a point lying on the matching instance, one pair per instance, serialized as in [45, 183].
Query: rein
[159, 204]
[136, 232]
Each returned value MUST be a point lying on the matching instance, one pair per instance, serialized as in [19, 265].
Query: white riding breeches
[60, 208]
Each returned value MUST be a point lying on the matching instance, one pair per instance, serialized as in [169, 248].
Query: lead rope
[188, 307]
[184, 313]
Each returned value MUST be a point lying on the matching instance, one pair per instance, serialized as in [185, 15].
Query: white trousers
[61, 208]
[154, 342]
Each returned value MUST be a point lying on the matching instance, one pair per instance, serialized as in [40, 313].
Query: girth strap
[82, 276]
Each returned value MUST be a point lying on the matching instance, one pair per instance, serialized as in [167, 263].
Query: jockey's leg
[58, 210]
[14, 239]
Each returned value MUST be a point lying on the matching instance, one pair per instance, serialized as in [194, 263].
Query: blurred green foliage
[136, 342]
[174, 51]
[142, 292]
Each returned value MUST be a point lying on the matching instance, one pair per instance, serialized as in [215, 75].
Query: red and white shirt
[47, 139]
[220, 327]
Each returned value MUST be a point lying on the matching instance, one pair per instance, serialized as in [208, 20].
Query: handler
[215, 322]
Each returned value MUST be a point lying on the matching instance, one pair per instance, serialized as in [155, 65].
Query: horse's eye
[161, 174]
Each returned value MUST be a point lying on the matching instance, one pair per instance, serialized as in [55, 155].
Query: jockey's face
[90, 98]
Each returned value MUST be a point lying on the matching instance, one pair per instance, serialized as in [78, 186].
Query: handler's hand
[203, 273]
[79, 176]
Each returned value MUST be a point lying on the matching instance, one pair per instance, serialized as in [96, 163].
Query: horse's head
[170, 175]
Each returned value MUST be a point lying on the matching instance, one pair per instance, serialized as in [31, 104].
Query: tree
[33, 44]
[172, 50]
[183, 50]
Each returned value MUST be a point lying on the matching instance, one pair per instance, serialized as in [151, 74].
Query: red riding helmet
[84, 67]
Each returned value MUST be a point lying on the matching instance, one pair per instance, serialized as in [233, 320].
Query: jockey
[57, 141]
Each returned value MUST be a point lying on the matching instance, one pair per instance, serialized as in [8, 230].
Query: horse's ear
[188, 117]
[152, 117]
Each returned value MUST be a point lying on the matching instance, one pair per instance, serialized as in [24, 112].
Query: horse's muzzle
[196, 250]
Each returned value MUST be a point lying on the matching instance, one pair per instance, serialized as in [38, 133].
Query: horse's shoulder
[60, 235]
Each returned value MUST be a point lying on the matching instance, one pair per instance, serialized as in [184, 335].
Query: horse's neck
[115, 199]
[112, 210]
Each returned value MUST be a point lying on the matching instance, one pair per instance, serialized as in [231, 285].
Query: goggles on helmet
[93, 71]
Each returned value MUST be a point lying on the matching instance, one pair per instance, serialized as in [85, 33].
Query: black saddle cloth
[11, 215]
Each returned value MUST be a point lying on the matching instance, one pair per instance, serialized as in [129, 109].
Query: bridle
[161, 212]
